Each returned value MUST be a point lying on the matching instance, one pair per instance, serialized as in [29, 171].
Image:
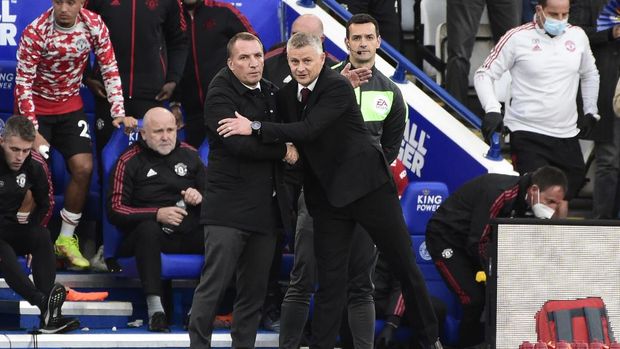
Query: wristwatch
[256, 127]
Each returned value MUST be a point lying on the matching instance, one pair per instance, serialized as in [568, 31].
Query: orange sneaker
[74, 296]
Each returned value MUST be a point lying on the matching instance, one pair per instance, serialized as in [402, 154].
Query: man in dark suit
[245, 202]
[347, 181]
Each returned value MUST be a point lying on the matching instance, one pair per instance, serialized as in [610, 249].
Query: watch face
[255, 125]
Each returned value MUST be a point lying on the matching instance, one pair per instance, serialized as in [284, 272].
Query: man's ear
[229, 63]
[346, 43]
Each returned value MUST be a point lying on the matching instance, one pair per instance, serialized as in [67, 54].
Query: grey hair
[299, 40]
[19, 126]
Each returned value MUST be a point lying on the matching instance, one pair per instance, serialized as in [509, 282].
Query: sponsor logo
[8, 28]
[180, 169]
[100, 123]
[412, 150]
[7, 80]
[536, 48]
[570, 46]
[381, 105]
[428, 203]
[151, 173]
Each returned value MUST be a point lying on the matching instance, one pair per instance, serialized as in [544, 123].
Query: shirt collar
[255, 87]
[309, 87]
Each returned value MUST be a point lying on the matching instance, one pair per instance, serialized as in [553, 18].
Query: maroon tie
[305, 93]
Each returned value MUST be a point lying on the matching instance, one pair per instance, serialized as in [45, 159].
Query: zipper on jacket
[133, 44]
[195, 56]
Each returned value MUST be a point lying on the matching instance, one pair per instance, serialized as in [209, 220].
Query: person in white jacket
[548, 59]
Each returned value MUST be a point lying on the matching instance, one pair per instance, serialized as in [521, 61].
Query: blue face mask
[554, 26]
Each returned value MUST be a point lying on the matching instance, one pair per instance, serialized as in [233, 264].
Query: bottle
[169, 229]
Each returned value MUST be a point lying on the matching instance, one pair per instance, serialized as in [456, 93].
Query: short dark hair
[362, 18]
[20, 126]
[542, 2]
[549, 176]
[241, 36]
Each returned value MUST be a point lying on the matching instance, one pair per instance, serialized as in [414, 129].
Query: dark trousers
[531, 151]
[384, 11]
[17, 239]
[458, 270]
[103, 126]
[147, 241]
[463, 21]
[229, 251]
[360, 305]
[380, 214]
[606, 195]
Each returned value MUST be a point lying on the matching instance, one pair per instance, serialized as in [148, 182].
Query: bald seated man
[154, 199]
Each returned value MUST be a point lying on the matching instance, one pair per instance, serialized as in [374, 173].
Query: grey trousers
[229, 250]
[463, 19]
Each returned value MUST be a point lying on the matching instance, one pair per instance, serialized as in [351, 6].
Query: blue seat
[419, 201]
[174, 266]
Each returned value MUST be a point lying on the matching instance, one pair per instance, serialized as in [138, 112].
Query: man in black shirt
[210, 24]
[458, 233]
[155, 195]
[23, 170]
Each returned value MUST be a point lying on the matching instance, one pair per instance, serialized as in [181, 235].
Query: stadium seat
[174, 266]
[419, 201]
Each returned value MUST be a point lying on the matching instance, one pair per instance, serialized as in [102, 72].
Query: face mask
[541, 210]
[554, 26]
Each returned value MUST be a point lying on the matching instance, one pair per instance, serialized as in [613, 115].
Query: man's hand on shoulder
[239, 125]
[171, 215]
[192, 196]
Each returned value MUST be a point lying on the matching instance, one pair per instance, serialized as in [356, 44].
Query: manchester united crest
[180, 169]
[21, 180]
[152, 4]
[570, 46]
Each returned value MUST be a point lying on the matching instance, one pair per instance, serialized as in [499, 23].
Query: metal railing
[404, 65]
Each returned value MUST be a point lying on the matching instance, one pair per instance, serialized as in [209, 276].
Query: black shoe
[53, 309]
[158, 322]
[60, 325]
[271, 319]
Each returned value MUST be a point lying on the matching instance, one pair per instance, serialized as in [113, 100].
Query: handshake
[292, 155]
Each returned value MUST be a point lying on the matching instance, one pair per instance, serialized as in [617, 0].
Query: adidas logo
[151, 173]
